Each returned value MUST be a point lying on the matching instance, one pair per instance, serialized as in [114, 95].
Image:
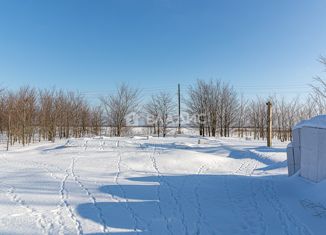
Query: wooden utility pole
[269, 124]
[179, 110]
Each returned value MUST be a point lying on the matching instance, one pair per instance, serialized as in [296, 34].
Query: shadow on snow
[173, 204]
[182, 204]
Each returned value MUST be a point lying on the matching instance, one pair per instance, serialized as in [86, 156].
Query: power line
[250, 89]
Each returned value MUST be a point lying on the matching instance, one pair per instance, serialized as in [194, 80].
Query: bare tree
[161, 107]
[47, 114]
[214, 104]
[26, 109]
[166, 109]
[228, 110]
[257, 117]
[197, 104]
[242, 115]
[152, 114]
[318, 94]
[118, 106]
[96, 118]
[307, 109]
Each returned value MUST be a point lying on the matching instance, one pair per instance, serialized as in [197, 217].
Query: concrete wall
[313, 153]
[290, 158]
[294, 152]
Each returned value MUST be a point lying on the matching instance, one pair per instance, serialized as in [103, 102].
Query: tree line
[28, 115]
[220, 110]
[214, 107]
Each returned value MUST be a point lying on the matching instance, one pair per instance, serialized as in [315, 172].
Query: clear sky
[259, 46]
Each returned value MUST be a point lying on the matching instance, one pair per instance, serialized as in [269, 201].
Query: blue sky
[259, 46]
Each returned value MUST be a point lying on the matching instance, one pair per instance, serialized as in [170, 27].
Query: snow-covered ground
[156, 186]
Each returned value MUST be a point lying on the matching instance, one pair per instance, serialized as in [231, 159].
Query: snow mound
[141, 137]
[317, 122]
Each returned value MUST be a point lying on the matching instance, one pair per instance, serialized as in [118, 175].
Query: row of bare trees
[29, 115]
[161, 110]
[214, 107]
[218, 109]
[123, 110]
[119, 106]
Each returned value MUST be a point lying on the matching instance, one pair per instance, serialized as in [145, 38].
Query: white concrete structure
[308, 149]
[293, 160]
[313, 153]
[294, 152]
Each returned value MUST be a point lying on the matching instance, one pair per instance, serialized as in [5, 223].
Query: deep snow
[156, 186]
